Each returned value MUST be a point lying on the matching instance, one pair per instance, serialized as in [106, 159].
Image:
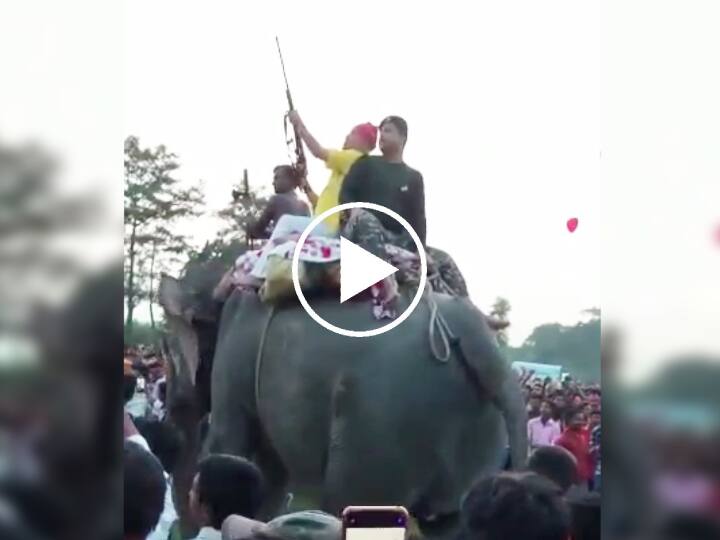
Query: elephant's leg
[361, 468]
[276, 480]
[512, 407]
[234, 434]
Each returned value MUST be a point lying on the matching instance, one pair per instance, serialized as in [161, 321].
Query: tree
[500, 309]
[576, 348]
[244, 208]
[154, 202]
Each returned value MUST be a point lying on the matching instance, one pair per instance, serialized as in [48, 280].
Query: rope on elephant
[259, 357]
[439, 325]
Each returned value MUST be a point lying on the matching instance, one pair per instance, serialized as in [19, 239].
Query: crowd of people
[564, 417]
[555, 497]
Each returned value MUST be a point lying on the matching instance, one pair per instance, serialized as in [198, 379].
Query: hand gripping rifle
[299, 162]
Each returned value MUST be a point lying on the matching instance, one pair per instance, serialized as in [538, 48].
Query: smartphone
[375, 523]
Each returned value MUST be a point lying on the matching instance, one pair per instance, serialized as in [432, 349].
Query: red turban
[367, 133]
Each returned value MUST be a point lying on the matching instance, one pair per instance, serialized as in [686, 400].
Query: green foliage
[500, 309]
[143, 334]
[576, 348]
[244, 208]
[154, 203]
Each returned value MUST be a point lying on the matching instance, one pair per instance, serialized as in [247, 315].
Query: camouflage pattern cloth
[365, 229]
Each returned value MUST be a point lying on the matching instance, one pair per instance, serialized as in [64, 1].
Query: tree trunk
[151, 291]
[130, 292]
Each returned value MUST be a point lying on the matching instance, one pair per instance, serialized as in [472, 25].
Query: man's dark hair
[164, 441]
[229, 485]
[555, 463]
[144, 490]
[571, 413]
[288, 170]
[399, 123]
[129, 385]
[585, 510]
[513, 505]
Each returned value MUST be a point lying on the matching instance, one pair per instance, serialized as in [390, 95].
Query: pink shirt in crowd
[540, 434]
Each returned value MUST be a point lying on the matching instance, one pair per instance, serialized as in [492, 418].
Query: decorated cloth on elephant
[319, 253]
[365, 228]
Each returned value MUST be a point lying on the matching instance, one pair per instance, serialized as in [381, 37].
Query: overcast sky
[504, 121]
[522, 114]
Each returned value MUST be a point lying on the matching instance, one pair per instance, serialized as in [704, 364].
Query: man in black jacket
[388, 181]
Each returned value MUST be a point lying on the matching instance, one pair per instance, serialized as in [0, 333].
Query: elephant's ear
[170, 295]
[180, 325]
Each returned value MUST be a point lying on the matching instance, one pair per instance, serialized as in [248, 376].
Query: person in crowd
[508, 506]
[585, 511]
[305, 525]
[284, 202]
[240, 528]
[164, 441]
[543, 430]
[224, 485]
[144, 490]
[388, 181]
[534, 402]
[576, 401]
[593, 398]
[559, 408]
[574, 440]
[169, 516]
[555, 463]
[359, 142]
[595, 441]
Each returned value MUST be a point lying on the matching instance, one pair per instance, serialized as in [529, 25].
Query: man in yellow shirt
[360, 141]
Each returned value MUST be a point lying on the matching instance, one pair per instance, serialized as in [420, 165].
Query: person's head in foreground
[225, 485]
[307, 525]
[284, 179]
[144, 491]
[514, 506]
[240, 528]
[362, 138]
[393, 136]
[555, 463]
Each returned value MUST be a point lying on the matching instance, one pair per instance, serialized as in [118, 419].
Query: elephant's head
[192, 327]
[192, 317]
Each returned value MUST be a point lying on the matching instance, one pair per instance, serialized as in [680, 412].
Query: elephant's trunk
[512, 406]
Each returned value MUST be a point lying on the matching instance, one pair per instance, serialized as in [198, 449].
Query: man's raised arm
[316, 149]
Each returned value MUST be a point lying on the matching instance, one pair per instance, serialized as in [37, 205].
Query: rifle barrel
[282, 64]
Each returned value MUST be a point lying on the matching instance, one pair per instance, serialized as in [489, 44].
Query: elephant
[360, 421]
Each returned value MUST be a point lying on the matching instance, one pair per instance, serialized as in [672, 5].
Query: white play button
[359, 269]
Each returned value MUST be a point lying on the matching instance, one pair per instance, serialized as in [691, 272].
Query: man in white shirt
[168, 515]
[543, 430]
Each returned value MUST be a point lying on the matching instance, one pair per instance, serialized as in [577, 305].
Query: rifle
[243, 193]
[247, 197]
[300, 164]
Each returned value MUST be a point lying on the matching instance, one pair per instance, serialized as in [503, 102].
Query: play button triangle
[359, 269]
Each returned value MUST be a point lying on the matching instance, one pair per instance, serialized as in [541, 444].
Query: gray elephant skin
[361, 421]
